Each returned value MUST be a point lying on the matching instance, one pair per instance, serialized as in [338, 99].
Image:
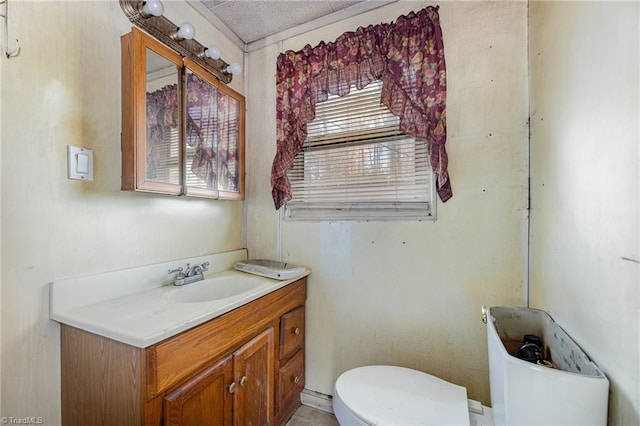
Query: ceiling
[253, 24]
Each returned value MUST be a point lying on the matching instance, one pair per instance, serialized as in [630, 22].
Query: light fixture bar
[165, 30]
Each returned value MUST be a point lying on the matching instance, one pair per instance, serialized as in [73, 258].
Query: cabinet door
[254, 372]
[214, 149]
[205, 400]
[151, 124]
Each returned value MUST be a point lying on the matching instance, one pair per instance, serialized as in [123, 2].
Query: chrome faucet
[189, 274]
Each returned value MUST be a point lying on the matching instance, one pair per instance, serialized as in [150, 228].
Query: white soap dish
[270, 268]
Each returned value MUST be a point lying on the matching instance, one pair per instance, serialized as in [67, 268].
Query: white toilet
[573, 392]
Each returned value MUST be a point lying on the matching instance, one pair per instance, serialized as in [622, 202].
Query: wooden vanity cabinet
[245, 367]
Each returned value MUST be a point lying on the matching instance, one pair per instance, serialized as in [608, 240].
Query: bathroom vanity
[243, 366]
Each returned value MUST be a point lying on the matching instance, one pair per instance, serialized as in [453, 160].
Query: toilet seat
[389, 395]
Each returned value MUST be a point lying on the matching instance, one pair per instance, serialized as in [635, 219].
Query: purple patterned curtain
[227, 143]
[408, 56]
[162, 113]
[202, 133]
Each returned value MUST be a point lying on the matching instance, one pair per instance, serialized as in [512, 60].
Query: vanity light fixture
[185, 31]
[9, 52]
[147, 15]
[151, 8]
[212, 52]
[234, 68]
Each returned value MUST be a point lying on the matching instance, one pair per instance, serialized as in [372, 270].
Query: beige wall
[409, 293]
[585, 184]
[406, 293]
[64, 88]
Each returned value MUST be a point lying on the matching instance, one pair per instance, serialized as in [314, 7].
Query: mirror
[231, 145]
[213, 143]
[162, 120]
[202, 134]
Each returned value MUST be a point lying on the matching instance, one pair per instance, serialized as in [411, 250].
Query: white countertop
[141, 315]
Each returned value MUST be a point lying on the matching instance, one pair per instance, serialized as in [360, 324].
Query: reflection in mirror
[228, 145]
[162, 110]
[211, 159]
[202, 133]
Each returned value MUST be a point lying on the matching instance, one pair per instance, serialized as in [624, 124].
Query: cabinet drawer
[291, 332]
[290, 381]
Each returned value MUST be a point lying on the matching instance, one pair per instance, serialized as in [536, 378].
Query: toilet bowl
[389, 395]
[569, 386]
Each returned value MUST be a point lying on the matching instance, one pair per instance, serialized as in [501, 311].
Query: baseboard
[317, 400]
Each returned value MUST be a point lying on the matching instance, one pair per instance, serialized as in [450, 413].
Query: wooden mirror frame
[135, 46]
[134, 111]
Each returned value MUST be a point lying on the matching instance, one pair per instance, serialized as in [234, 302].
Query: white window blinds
[357, 164]
[162, 156]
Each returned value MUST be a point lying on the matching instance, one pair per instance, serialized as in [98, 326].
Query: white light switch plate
[79, 163]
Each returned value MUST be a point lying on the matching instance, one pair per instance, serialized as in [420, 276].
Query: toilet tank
[569, 390]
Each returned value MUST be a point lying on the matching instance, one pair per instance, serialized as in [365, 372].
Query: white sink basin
[216, 288]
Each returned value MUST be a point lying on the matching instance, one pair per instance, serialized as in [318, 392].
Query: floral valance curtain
[408, 56]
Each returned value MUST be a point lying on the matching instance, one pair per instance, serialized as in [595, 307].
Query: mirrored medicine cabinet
[182, 129]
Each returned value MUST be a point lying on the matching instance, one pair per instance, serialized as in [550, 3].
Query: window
[356, 164]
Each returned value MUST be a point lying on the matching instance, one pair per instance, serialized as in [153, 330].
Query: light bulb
[234, 69]
[212, 52]
[152, 8]
[186, 31]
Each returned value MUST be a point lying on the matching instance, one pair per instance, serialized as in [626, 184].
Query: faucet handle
[205, 266]
[171, 271]
[180, 276]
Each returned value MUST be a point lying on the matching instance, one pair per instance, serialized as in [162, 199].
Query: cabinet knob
[296, 379]
[243, 381]
[232, 387]
[296, 330]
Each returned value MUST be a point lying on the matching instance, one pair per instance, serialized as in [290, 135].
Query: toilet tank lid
[270, 268]
[390, 395]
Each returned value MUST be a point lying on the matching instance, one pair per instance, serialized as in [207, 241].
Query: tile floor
[307, 416]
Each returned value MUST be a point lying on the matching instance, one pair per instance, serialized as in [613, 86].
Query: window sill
[364, 212]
